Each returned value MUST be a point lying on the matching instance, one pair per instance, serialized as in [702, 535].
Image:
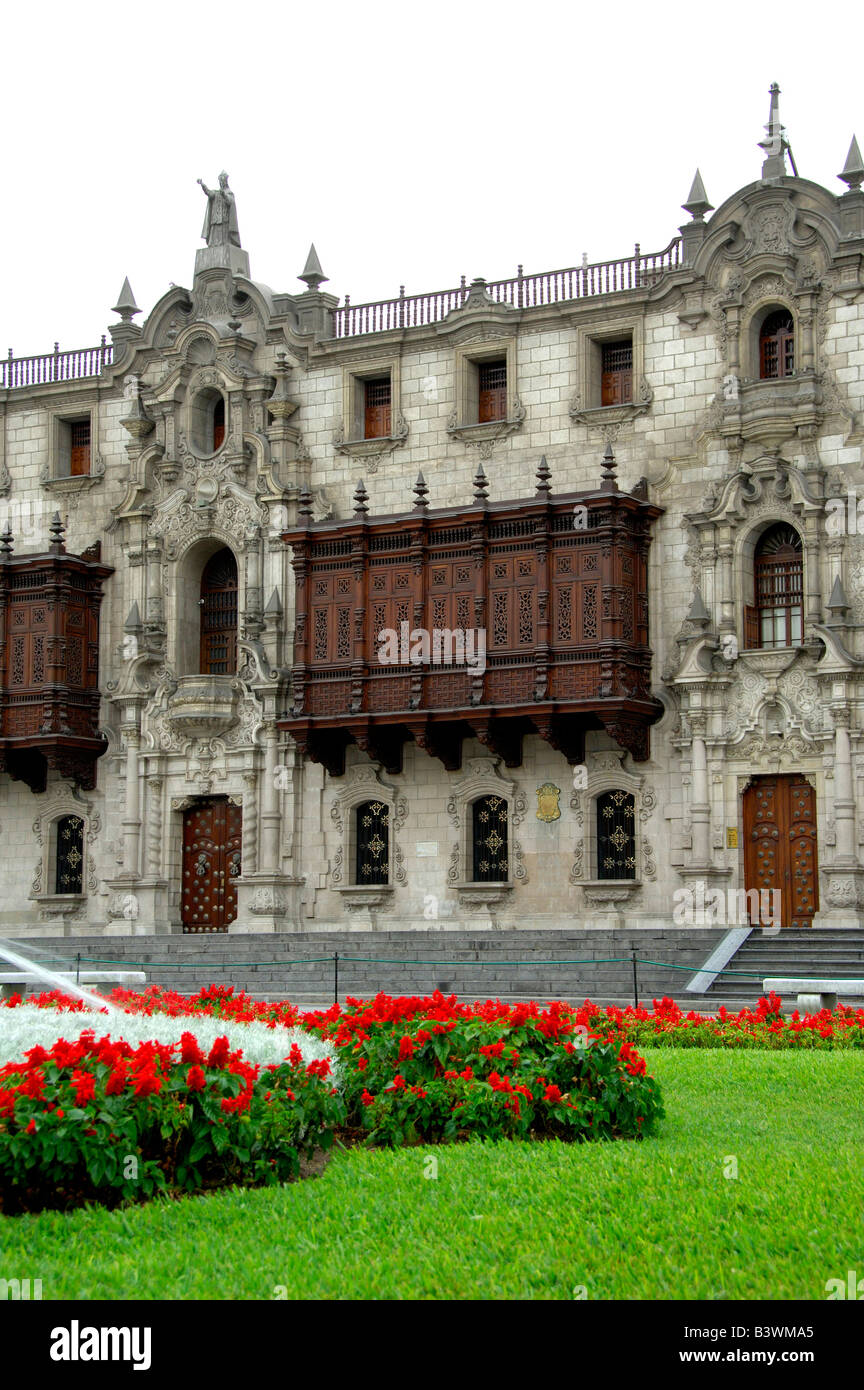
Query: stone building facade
[717, 384]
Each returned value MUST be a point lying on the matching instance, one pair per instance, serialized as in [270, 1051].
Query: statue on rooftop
[220, 220]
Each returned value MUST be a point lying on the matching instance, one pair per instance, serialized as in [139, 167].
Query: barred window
[372, 824]
[616, 835]
[489, 835]
[69, 873]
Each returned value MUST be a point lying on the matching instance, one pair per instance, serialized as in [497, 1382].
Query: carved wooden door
[780, 845]
[212, 833]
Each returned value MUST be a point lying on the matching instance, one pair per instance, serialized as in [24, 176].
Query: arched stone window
[218, 424]
[777, 345]
[207, 421]
[616, 835]
[489, 861]
[775, 617]
[219, 614]
[372, 842]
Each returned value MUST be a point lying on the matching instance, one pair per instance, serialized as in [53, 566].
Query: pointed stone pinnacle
[133, 622]
[697, 612]
[274, 604]
[361, 497]
[6, 541]
[126, 306]
[609, 482]
[420, 491]
[543, 474]
[697, 203]
[853, 169]
[481, 485]
[305, 500]
[312, 272]
[838, 602]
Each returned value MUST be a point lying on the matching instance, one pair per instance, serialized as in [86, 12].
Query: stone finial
[133, 622]
[280, 404]
[609, 482]
[481, 485]
[853, 169]
[838, 604]
[305, 500]
[313, 272]
[274, 605]
[420, 490]
[697, 613]
[543, 474]
[126, 306]
[361, 497]
[56, 529]
[775, 143]
[697, 203]
[6, 542]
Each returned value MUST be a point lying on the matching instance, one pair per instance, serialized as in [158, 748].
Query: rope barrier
[395, 960]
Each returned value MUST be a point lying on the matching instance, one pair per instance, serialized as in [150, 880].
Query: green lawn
[644, 1221]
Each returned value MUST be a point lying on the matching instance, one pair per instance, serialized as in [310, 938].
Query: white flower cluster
[28, 1026]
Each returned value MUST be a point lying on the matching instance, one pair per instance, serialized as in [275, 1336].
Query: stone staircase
[826, 951]
[514, 964]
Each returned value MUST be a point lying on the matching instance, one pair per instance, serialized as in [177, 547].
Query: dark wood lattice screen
[69, 877]
[492, 386]
[373, 842]
[777, 346]
[377, 409]
[616, 373]
[219, 615]
[616, 835]
[489, 828]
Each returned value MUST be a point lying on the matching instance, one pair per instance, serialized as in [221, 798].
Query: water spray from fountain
[65, 982]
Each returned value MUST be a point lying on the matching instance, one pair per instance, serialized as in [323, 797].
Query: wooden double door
[212, 847]
[780, 845]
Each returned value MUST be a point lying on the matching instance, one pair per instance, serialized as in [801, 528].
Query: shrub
[432, 1070]
[109, 1122]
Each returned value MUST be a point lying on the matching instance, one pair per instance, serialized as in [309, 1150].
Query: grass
[656, 1220]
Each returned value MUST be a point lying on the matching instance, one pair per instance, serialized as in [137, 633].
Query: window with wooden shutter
[492, 391]
[219, 615]
[779, 584]
[377, 408]
[79, 452]
[777, 346]
[616, 373]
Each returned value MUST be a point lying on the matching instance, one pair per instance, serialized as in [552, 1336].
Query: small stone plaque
[731, 837]
[427, 849]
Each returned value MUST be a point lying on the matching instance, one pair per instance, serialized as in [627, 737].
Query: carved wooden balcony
[49, 662]
[562, 596]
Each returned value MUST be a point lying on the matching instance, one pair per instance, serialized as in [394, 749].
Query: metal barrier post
[335, 977]
[78, 968]
[635, 983]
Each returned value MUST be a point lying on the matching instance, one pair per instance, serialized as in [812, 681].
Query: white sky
[411, 142]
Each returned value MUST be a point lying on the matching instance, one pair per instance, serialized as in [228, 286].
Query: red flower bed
[106, 1121]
